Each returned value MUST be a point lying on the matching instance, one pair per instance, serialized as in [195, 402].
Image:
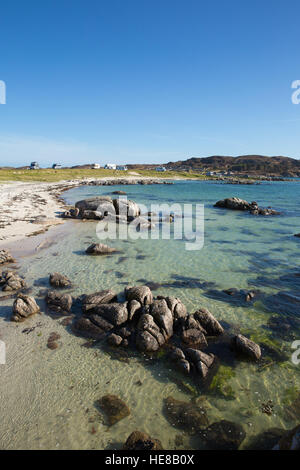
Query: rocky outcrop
[89, 302]
[223, 435]
[5, 257]
[59, 280]
[11, 281]
[104, 207]
[60, 303]
[141, 441]
[114, 408]
[247, 347]
[297, 235]
[99, 249]
[235, 203]
[23, 307]
[187, 416]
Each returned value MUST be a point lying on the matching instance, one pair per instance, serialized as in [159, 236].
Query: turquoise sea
[47, 398]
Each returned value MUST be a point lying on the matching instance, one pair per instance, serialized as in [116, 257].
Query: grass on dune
[49, 175]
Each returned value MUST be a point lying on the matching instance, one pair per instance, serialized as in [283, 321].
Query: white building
[160, 168]
[110, 166]
[96, 166]
[121, 167]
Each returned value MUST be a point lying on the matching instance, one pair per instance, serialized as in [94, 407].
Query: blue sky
[147, 81]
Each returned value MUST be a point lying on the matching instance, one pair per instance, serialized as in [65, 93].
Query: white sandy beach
[30, 208]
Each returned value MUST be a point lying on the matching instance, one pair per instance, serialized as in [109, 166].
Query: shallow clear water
[48, 397]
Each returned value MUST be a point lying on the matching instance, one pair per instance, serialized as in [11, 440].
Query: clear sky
[147, 81]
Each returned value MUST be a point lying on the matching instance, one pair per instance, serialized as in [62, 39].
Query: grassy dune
[49, 175]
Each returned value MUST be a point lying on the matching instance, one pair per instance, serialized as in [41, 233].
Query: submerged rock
[223, 435]
[52, 340]
[11, 281]
[290, 440]
[187, 416]
[141, 441]
[114, 408]
[5, 257]
[114, 340]
[99, 249]
[59, 280]
[23, 307]
[59, 302]
[265, 440]
[247, 347]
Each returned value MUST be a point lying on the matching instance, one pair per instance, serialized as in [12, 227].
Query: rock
[5, 257]
[121, 193]
[149, 337]
[290, 440]
[114, 408]
[114, 340]
[85, 327]
[127, 208]
[199, 356]
[52, 340]
[146, 342]
[134, 308]
[265, 440]
[141, 441]
[187, 416]
[101, 204]
[91, 301]
[297, 235]
[176, 354]
[11, 281]
[223, 435]
[115, 313]
[238, 204]
[177, 308]
[99, 249]
[99, 321]
[140, 293]
[208, 322]
[59, 302]
[92, 215]
[247, 347]
[59, 280]
[183, 366]
[194, 338]
[163, 316]
[23, 307]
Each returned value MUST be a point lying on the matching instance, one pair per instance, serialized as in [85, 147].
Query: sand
[27, 209]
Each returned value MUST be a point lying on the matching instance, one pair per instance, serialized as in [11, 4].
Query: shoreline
[28, 209]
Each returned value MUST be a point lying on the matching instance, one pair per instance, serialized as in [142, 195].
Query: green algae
[220, 385]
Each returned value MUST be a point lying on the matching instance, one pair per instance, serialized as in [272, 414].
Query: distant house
[110, 166]
[95, 166]
[34, 166]
[121, 168]
[160, 168]
[56, 166]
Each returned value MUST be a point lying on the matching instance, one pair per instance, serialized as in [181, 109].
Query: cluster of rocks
[5, 257]
[149, 323]
[11, 281]
[235, 203]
